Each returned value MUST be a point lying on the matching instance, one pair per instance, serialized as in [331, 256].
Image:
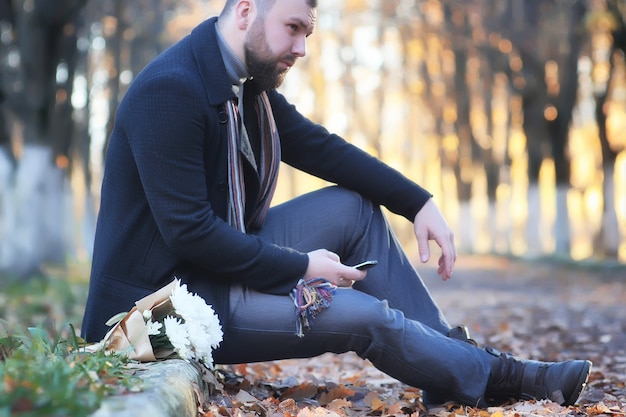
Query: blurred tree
[460, 95]
[468, 157]
[44, 137]
[134, 33]
[38, 59]
[539, 58]
[608, 31]
[548, 36]
[492, 86]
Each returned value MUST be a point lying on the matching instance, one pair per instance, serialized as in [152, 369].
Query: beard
[262, 67]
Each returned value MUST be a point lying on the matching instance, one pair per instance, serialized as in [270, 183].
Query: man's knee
[354, 311]
[350, 208]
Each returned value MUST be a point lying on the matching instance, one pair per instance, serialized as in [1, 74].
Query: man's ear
[245, 11]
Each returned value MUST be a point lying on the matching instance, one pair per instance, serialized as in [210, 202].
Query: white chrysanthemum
[154, 327]
[208, 361]
[177, 334]
[185, 352]
[199, 339]
[192, 308]
[179, 295]
[202, 329]
[147, 315]
[212, 327]
[189, 306]
[195, 309]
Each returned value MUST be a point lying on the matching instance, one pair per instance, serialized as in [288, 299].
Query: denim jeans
[389, 318]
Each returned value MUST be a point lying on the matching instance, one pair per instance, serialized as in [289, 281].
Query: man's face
[276, 40]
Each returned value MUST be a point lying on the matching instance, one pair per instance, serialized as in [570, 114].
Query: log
[172, 387]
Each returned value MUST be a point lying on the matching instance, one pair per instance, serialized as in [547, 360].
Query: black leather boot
[511, 378]
[459, 333]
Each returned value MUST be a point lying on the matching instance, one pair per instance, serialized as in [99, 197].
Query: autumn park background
[511, 112]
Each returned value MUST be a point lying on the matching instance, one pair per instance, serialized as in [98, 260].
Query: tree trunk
[37, 91]
[33, 195]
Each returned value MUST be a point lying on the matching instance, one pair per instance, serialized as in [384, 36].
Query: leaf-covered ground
[536, 310]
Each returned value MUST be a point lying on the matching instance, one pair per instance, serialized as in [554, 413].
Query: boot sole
[582, 383]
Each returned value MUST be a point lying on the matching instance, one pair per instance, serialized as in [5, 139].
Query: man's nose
[299, 47]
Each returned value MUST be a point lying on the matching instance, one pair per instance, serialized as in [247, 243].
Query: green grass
[44, 369]
[49, 301]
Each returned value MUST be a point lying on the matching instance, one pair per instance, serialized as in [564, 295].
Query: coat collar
[206, 53]
[209, 61]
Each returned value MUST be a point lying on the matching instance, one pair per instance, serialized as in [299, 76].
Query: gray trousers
[389, 318]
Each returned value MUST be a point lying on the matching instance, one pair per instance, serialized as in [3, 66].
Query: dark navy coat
[164, 192]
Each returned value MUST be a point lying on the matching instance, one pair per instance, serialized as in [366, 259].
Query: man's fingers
[423, 248]
[352, 274]
[332, 255]
[445, 268]
[429, 224]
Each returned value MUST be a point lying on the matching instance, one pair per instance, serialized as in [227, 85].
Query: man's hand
[326, 264]
[429, 224]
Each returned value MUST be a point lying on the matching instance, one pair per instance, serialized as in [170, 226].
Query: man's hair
[263, 5]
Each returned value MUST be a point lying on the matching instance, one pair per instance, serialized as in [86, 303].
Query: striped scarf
[267, 170]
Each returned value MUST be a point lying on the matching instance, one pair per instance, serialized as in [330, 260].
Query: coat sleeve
[311, 148]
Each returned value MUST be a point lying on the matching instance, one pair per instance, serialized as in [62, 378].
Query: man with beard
[190, 171]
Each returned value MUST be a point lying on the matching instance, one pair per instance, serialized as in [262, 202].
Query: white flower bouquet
[171, 322]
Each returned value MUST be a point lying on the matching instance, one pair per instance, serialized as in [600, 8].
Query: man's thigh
[349, 225]
[262, 326]
[330, 218]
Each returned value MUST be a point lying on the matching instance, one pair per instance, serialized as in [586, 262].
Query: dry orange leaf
[340, 391]
[395, 408]
[354, 379]
[317, 412]
[339, 404]
[599, 408]
[369, 398]
[288, 406]
[377, 405]
[242, 369]
[300, 392]
[459, 411]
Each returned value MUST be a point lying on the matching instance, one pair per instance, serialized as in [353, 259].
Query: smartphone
[366, 265]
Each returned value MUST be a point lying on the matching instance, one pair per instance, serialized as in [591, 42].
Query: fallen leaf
[371, 396]
[395, 408]
[300, 392]
[339, 404]
[377, 404]
[288, 406]
[317, 412]
[245, 397]
[340, 391]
